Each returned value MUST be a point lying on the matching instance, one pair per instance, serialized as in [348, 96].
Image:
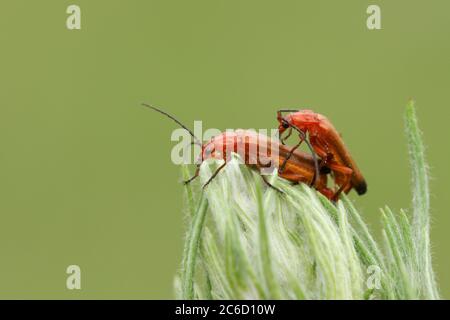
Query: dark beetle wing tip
[361, 188]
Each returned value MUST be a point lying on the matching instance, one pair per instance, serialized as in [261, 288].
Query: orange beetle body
[328, 145]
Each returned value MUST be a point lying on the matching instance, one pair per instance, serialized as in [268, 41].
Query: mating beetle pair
[329, 155]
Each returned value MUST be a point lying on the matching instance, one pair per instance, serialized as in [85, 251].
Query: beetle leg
[302, 136]
[327, 193]
[283, 165]
[326, 157]
[270, 185]
[347, 172]
[214, 174]
[341, 180]
[197, 171]
[287, 136]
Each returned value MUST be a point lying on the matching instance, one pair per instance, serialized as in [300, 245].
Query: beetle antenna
[288, 110]
[197, 141]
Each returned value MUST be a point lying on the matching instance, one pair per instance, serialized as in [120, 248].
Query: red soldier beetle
[299, 167]
[328, 145]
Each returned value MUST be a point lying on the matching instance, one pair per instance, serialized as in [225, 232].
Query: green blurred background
[85, 172]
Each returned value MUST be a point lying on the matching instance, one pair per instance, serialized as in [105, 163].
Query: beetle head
[283, 123]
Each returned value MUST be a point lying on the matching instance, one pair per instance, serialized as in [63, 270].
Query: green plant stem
[192, 246]
[421, 202]
[189, 192]
[264, 248]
